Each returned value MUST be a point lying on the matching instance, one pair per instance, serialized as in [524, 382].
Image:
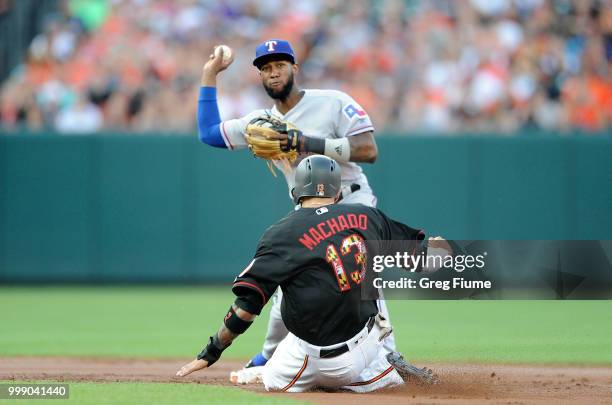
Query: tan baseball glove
[271, 138]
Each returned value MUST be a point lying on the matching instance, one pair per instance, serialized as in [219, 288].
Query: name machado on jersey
[321, 282]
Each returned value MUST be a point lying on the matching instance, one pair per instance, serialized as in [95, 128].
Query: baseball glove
[265, 136]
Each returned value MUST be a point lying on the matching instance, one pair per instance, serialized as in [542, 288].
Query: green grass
[176, 322]
[573, 332]
[155, 393]
[117, 321]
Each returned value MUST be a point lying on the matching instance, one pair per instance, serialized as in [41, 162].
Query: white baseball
[227, 53]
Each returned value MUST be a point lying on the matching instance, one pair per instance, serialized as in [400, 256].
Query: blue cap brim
[262, 60]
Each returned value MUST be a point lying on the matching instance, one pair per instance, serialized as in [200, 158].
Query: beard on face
[283, 92]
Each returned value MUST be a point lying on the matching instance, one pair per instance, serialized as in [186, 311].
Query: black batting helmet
[316, 176]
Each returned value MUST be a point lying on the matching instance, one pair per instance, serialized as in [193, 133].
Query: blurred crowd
[429, 66]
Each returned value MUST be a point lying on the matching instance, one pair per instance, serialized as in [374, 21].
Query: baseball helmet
[273, 48]
[316, 176]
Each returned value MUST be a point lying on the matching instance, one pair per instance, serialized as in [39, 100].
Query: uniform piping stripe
[373, 380]
[225, 137]
[358, 130]
[297, 376]
[259, 290]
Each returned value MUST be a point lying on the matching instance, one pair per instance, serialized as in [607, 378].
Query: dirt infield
[461, 383]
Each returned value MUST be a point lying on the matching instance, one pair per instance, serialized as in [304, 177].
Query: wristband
[212, 352]
[338, 149]
[314, 145]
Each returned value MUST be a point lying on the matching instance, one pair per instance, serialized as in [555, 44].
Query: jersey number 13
[354, 243]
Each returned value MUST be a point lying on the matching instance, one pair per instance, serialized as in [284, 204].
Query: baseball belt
[337, 351]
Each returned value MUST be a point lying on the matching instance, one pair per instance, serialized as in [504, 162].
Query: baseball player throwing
[334, 335]
[326, 122]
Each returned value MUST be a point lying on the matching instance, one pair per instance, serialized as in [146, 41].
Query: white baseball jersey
[319, 114]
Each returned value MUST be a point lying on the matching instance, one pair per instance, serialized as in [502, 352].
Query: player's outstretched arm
[236, 322]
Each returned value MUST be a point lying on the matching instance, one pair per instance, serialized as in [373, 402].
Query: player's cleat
[256, 361]
[409, 372]
[251, 375]
[252, 371]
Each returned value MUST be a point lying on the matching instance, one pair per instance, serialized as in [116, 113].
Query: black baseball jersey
[318, 258]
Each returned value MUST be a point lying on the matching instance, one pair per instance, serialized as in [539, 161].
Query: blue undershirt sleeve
[209, 120]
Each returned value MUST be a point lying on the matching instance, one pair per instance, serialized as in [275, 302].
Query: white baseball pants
[296, 366]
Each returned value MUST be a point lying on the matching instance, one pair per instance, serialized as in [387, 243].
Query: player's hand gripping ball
[225, 53]
[220, 59]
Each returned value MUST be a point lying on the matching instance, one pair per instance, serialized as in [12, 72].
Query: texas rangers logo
[271, 45]
[321, 189]
[352, 110]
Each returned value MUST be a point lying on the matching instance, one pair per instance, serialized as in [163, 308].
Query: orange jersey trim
[297, 376]
[255, 287]
[373, 380]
